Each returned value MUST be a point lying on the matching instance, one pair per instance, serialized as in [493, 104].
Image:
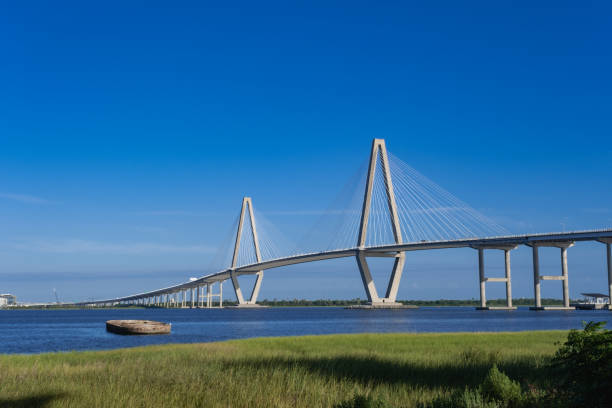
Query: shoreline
[518, 302]
[296, 338]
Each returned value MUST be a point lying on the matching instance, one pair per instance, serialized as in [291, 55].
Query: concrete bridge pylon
[379, 152]
[247, 205]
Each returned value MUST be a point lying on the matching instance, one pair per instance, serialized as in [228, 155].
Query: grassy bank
[318, 371]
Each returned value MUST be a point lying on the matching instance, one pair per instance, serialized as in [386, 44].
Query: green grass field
[404, 370]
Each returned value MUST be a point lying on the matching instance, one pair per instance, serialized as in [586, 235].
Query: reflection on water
[35, 331]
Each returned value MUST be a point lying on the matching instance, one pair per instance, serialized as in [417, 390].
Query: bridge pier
[483, 279]
[205, 300]
[608, 243]
[252, 301]
[368, 283]
[609, 256]
[564, 277]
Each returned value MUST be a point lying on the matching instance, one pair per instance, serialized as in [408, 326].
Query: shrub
[583, 366]
[497, 386]
[496, 391]
[463, 399]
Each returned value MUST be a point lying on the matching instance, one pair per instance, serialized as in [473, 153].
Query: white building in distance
[7, 299]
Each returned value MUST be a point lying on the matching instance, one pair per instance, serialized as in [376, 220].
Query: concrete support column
[481, 274]
[237, 290]
[208, 298]
[508, 279]
[536, 276]
[220, 294]
[564, 278]
[366, 278]
[256, 288]
[565, 281]
[609, 256]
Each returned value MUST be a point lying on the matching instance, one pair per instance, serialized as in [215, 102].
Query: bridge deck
[492, 242]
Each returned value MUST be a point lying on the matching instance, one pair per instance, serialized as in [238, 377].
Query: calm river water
[35, 331]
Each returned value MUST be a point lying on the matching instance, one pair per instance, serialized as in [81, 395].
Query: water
[36, 331]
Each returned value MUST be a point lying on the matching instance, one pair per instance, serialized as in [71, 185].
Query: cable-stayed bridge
[396, 210]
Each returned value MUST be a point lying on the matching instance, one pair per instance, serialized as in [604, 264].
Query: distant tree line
[439, 302]
[329, 302]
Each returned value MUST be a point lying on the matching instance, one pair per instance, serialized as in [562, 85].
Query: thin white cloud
[142, 228]
[358, 211]
[73, 246]
[24, 198]
[310, 212]
[174, 213]
[597, 210]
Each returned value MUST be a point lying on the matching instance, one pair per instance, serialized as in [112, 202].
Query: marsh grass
[403, 370]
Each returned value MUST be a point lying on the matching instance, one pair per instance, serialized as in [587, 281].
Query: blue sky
[130, 132]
